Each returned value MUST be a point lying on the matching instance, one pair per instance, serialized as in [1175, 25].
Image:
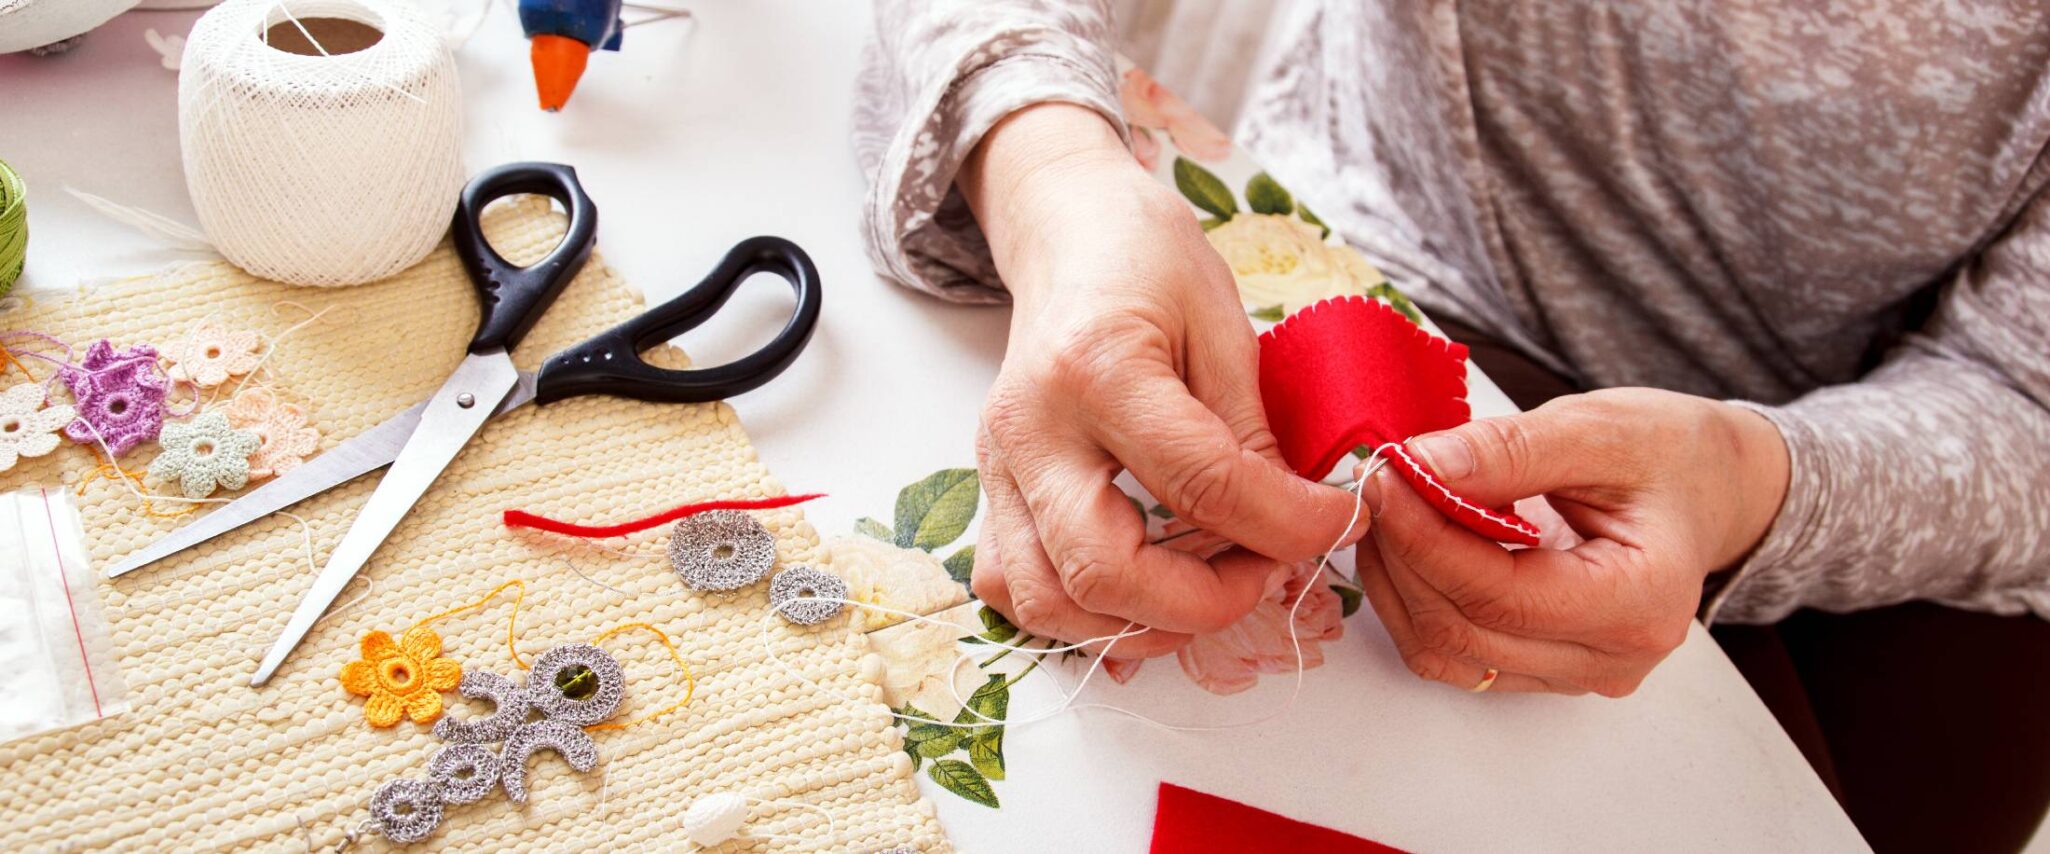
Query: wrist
[1036, 170]
[1763, 470]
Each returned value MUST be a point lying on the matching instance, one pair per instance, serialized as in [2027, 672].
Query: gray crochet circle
[791, 592]
[508, 698]
[573, 743]
[421, 802]
[447, 769]
[721, 550]
[543, 695]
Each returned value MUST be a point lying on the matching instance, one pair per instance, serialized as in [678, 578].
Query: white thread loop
[335, 168]
[1068, 697]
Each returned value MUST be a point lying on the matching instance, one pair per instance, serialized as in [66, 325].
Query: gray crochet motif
[792, 592]
[465, 772]
[543, 694]
[406, 810]
[509, 699]
[575, 746]
[721, 550]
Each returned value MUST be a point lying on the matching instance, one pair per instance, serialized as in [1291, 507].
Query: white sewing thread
[320, 170]
[1096, 662]
[1427, 477]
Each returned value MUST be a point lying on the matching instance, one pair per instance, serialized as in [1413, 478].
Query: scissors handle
[611, 363]
[513, 297]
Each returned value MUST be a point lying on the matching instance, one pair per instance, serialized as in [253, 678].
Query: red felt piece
[524, 519]
[1352, 371]
[1190, 822]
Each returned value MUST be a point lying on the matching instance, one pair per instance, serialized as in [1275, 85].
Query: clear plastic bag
[54, 646]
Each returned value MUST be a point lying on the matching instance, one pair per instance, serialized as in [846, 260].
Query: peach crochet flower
[280, 427]
[1149, 105]
[209, 356]
[403, 679]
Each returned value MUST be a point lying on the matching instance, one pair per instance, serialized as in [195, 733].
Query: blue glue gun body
[593, 22]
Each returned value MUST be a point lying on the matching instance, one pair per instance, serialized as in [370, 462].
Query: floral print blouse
[1831, 212]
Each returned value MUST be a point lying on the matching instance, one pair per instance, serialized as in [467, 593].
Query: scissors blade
[453, 415]
[368, 451]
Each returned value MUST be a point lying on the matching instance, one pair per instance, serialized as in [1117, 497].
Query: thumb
[1497, 461]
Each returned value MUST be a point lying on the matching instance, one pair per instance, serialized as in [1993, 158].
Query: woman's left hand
[1663, 489]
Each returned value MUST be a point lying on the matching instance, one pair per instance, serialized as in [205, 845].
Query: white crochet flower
[204, 454]
[27, 429]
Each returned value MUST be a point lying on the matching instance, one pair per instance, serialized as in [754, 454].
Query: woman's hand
[1128, 350]
[1664, 488]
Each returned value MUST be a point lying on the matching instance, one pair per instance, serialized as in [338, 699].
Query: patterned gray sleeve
[1928, 479]
[939, 74]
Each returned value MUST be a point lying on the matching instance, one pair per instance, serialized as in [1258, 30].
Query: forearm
[1925, 481]
[940, 76]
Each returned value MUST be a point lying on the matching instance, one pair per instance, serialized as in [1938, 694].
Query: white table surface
[701, 134]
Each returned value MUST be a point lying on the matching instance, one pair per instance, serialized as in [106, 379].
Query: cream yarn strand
[324, 169]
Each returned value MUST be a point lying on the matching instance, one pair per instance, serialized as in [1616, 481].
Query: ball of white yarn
[26, 24]
[320, 170]
[715, 818]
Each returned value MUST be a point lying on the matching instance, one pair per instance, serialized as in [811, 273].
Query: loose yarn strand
[1068, 697]
[511, 622]
[690, 680]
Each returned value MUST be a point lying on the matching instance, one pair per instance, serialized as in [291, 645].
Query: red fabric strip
[1190, 822]
[524, 519]
[1350, 371]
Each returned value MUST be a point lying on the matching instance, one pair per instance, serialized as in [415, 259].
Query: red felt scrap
[1190, 822]
[1351, 371]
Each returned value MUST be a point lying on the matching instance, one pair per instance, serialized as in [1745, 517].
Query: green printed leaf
[1162, 511]
[986, 752]
[1348, 599]
[1304, 212]
[1398, 301]
[1138, 508]
[935, 511]
[992, 700]
[1209, 222]
[1271, 314]
[962, 779]
[939, 746]
[961, 564]
[999, 630]
[874, 530]
[1265, 195]
[1203, 190]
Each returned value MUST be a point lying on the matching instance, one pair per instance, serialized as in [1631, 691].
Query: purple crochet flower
[120, 396]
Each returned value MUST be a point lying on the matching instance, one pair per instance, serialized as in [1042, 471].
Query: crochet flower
[204, 454]
[403, 679]
[280, 428]
[26, 428]
[120, 396]
[210, 355]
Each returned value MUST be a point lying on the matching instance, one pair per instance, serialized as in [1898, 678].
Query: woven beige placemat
[205, 761]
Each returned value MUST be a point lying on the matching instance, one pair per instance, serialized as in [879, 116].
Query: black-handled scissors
[421, 441]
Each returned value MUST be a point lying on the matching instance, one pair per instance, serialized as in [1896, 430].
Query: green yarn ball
[13, 227]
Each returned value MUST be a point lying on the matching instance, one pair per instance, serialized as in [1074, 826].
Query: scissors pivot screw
[466, 400]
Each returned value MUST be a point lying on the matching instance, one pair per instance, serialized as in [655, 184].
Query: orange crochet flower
[403, 679]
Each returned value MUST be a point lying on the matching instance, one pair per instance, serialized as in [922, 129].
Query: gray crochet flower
[204, 454]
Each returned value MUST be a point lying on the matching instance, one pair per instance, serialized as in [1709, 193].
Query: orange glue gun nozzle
[558, 64]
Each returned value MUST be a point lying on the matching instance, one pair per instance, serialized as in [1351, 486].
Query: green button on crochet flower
[204, 454]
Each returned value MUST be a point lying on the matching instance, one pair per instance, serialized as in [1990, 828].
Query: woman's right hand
[1129, 349]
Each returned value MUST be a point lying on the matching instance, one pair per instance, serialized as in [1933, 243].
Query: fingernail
[1447, 455]
[1370, 492]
